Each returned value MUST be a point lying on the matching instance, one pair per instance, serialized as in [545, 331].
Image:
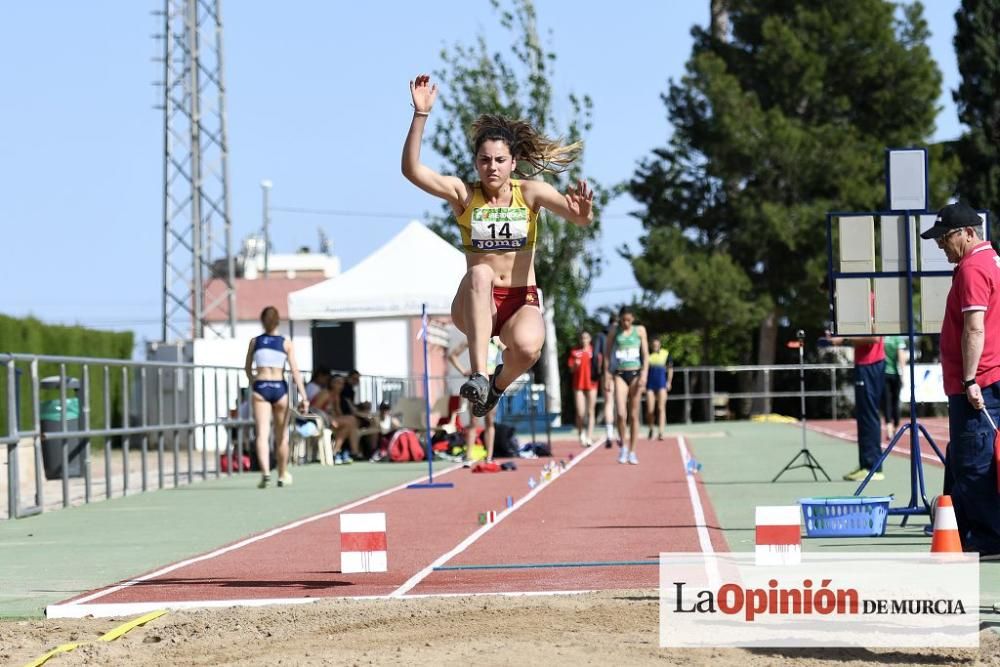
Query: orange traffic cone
[946, 539]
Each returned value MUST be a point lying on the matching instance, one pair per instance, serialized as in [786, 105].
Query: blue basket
[845, 516]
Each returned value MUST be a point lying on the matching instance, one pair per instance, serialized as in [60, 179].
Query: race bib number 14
[499, 229]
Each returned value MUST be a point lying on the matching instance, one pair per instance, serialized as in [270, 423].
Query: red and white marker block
[363, 543]
[778, 535]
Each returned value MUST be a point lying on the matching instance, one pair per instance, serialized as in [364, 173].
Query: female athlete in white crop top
[265, 368]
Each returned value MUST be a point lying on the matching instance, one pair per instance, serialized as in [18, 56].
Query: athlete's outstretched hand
[580, 199]
[423, 93]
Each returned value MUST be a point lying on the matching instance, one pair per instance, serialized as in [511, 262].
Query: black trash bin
[50, 414]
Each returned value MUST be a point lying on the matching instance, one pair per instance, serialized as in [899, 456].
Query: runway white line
[243, 543]
[471, 539]
[704, 539]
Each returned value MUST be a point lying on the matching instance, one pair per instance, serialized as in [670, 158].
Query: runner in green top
[628, 355]
[896, 358]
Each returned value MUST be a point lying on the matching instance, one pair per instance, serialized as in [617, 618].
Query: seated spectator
[337, 408]
[368, 426]
[318, 382]
[359, 410]
[353, 381]
[387, 425]
[242, 413]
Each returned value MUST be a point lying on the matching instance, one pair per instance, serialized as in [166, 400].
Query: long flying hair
[526, 145]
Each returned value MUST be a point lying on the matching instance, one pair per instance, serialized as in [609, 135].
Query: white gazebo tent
[413, 268]
[382, 298]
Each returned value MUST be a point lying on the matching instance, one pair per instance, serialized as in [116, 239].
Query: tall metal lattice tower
[199, 296]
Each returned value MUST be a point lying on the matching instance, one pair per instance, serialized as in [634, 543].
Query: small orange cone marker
[946, 539]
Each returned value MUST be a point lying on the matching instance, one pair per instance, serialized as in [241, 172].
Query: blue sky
[317, 103]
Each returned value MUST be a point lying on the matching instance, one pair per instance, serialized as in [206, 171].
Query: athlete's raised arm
[449, 188]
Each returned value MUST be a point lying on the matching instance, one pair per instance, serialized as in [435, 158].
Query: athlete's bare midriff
[270, 374]
[510, 269]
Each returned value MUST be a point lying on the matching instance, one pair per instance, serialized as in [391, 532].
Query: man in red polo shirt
[970, 364]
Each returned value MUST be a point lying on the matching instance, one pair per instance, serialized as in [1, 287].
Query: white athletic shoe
[633, 459]
[623, 457]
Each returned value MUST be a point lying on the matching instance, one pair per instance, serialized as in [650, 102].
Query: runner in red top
[584, 388]
[869, 385]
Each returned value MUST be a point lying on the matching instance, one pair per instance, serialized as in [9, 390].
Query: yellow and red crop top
[498, 228]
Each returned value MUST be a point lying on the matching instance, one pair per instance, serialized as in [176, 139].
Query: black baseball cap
[953, 216]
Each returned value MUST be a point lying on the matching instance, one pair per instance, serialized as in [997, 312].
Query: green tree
[30, 336]
[783, 113]
[978, 101]
[514, 82]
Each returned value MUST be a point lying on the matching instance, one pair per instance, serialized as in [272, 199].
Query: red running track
[595, 511]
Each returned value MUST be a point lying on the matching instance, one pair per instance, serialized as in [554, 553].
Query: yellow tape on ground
[65, 648]
[106, 637]
[125, 627]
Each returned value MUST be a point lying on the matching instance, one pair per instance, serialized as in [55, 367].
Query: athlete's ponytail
[526, 145]
[269, 318]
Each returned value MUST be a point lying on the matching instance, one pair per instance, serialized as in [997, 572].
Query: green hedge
[31, 336]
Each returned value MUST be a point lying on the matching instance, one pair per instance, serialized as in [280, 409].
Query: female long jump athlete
[497, 217]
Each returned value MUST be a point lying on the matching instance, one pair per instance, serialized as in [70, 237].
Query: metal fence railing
[78, 429]
[707, 393]
[111, 427]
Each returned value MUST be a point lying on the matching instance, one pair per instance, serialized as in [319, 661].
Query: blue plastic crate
[516, 409]
[845, 516]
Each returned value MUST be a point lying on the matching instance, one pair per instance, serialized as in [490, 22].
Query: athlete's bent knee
[481, 278]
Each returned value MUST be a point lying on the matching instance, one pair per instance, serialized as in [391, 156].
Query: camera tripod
[807, 459]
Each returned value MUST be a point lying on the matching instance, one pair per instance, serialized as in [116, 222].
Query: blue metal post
[427, 397]
[430, 484]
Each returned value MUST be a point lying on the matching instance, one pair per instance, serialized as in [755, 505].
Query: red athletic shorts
[509, 299]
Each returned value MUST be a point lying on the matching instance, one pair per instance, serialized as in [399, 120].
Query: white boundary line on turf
[243, 543]
[467, 542]
[133, 608]
[898, 450]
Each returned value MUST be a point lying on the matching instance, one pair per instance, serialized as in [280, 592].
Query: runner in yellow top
[661, 377]
[497, 218]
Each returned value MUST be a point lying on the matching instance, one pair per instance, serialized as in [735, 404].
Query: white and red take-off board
[363, 543]
[778, 536]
